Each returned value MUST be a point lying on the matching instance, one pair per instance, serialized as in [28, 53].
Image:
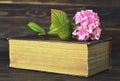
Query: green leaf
[53, 29]
[65, 31]
[74, 25]
[60, 25]
[35, 27]
[58, 18]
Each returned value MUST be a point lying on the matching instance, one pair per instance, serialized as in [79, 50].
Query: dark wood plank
[13, 20]
[12, 74]
[109, 16]
[105, 3]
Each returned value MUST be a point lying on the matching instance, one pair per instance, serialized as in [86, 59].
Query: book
[50, 54]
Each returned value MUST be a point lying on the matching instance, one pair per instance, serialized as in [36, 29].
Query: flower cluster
[89, 25]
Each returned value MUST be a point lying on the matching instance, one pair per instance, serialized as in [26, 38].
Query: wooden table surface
[13, 20]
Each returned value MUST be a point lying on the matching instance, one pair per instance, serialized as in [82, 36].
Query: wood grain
[14, 16]
[109, 16]
[104, 3]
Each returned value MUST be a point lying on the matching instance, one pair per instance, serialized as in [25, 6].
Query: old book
[50, 54]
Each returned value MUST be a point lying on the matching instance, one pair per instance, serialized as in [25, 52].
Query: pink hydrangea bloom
[89, 25]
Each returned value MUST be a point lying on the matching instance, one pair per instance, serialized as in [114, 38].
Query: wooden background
[15, 14]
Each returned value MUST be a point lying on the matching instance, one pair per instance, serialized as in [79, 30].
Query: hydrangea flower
[89, 25]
